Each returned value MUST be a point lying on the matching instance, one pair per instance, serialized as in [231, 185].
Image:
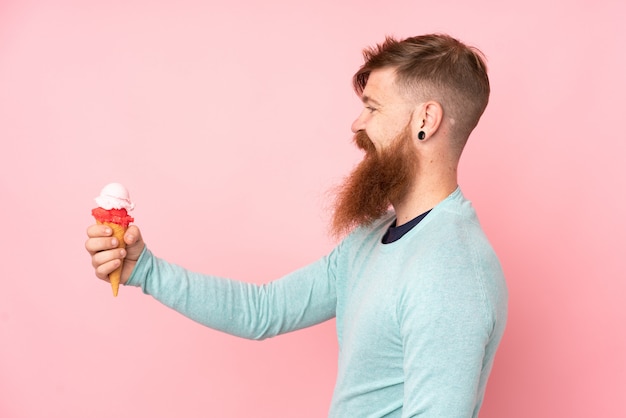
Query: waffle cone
[118, 232]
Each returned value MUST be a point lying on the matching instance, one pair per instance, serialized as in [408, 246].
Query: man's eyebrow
[367, 99]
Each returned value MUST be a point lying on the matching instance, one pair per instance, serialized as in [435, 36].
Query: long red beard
[382, 178]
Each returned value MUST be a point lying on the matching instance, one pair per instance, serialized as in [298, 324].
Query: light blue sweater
[418, 320]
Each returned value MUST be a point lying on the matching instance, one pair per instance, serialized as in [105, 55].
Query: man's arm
[447, 328]
[298, 300]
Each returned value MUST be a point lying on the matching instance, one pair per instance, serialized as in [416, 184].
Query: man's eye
[371, 109]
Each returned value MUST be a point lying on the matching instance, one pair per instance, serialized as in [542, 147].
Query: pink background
[229, 124]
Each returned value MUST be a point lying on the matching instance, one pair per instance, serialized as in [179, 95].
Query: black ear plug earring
[421, 135]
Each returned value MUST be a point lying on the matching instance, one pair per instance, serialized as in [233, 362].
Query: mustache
[363, 141]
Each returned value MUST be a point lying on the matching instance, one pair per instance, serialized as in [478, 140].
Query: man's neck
[423, 196]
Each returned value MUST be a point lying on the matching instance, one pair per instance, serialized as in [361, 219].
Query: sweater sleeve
[446, 328]
[298, 300]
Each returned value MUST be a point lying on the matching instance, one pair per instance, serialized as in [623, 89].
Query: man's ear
[427, 119]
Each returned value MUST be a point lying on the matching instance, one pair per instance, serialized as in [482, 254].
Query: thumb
[134, 243]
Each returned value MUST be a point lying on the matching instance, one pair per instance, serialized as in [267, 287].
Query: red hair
[434, 67]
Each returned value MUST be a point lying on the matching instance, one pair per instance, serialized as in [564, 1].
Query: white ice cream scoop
[115, 196]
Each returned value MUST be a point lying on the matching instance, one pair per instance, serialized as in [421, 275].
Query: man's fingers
[103, 257]
[103, 270]
[100, 238]
[99, 230]
[95, 245]
[104, 262]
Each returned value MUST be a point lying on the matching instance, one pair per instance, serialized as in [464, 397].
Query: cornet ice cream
[113, 206]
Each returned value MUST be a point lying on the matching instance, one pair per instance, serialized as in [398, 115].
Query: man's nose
[358, 124]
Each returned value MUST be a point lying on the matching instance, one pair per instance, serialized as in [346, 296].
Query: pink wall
[229, 124]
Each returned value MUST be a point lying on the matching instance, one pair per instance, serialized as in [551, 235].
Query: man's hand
[106, 257]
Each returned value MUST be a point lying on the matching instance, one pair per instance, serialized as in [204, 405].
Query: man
[418, 293]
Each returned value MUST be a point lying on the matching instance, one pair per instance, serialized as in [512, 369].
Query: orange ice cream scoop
[113, 206]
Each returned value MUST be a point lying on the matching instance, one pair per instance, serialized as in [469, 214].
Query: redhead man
[417, 290]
